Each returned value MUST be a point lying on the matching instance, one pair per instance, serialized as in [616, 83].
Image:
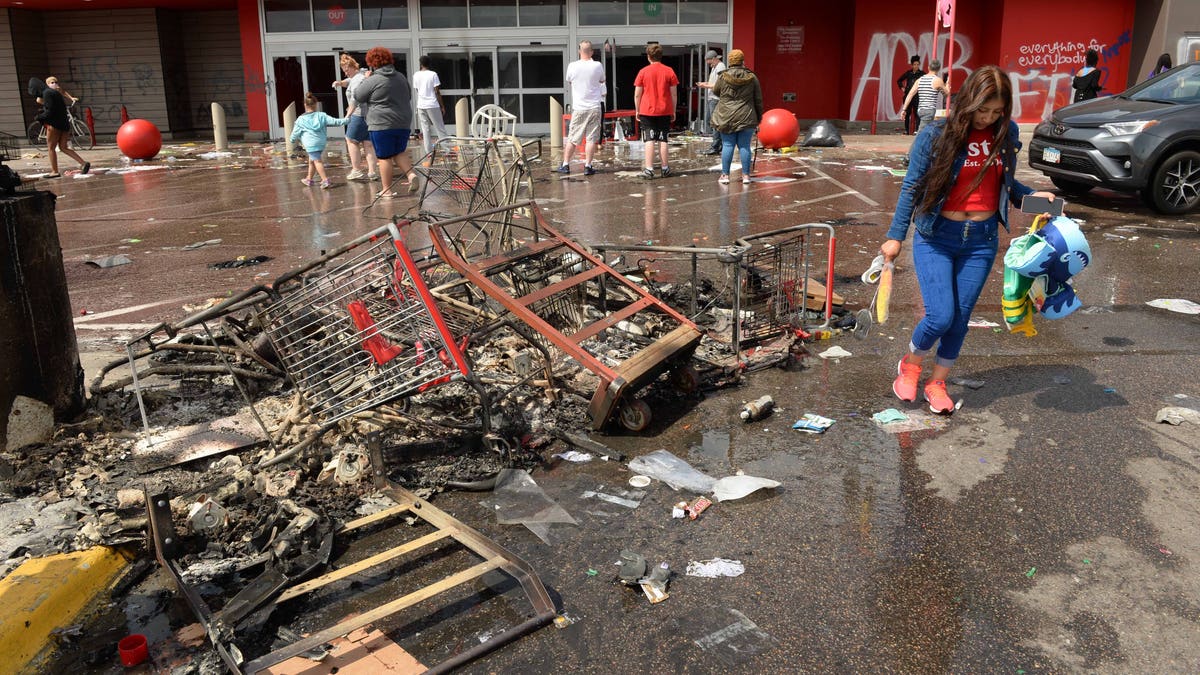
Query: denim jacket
[918, 163]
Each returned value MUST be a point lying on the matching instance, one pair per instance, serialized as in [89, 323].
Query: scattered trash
[1087, 561]
[736, 487]
[697, 507]
[1032, 571]
[758, 409]
[574, 456]
[563, 620]
[1109, 390]
[673, 471]
[736, 642]
[631, 567]
[679, 510]
[110, 261]
[202, 244]
[655, 585]
[834, 352]
[813, 423]
[717, 567]
[1061, 379]
[915, 421]
[1176, 415]
[581, 441]
[630, 500]
[518, 500]
[871, 167]
[240, 261]
[982, 323]
[1164, 550]
[889, 416]
[216, 154]
[1176, 305]
[822, 134]
[205, 515]
[133, 650]
[968, 383]
[591, 572]
[639, 481]
[898, 173]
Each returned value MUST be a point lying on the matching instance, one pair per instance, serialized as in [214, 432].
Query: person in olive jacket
[739, 110]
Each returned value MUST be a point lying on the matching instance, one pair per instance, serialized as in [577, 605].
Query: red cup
[133, 649]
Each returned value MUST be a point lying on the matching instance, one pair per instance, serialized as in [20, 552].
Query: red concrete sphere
[139, 139]
[778, 129]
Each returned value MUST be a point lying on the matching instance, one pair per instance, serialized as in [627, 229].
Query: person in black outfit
[1087, 79]
[58, 128]
[906, 82]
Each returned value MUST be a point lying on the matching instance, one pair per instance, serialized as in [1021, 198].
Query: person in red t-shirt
[960, 181]
[655, 95]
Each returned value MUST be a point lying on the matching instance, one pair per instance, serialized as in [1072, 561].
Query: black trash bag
[822, 134]
[36, 86]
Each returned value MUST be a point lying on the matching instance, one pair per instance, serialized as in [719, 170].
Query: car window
[1181, 85]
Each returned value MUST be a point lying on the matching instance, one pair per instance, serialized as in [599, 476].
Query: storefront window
[444, 14]
[543, 12]
[486, 13]
[541, 69]
[602, 12]
[335, 15]
[384, 14]
[510, 73]
[653, 12]
[453, 69]
[535, 108]
[287, 16]
[703, 11]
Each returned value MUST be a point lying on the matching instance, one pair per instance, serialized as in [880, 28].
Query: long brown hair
[983, 85]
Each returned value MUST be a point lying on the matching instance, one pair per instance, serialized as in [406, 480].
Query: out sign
[337, 15]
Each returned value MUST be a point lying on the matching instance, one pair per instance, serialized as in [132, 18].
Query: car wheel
[1071, 187]
[1175, 187]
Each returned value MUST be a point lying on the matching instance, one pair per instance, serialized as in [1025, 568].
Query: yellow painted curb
[48, 593]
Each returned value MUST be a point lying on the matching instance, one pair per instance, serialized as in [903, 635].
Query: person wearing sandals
[358, 140]
[956, 193]
[58, 128]
[739, 110]
[388, 98]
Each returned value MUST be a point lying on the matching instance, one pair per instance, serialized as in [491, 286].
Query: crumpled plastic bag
[736, 487]
[822, 134]
[673, 471]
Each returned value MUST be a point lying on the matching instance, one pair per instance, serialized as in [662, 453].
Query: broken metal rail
[221, 625]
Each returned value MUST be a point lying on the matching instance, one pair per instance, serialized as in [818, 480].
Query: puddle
[714, 449]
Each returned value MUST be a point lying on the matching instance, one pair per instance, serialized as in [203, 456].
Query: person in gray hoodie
[388, 98]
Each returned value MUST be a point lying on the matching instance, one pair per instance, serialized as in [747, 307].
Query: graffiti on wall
[105, 86]
[1041, 73]
[887, 57]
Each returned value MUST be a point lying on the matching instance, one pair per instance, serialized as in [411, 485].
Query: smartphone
[1040, 205]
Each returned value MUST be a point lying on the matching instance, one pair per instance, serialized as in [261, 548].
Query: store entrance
[688, 63]
[315, 72]
[520, 80]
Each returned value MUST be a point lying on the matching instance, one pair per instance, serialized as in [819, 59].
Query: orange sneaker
[939, 401]
[905, 385]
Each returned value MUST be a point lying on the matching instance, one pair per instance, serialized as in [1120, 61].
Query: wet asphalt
[1050, 525]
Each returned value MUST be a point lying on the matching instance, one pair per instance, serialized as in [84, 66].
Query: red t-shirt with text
[656, 81]
[986, 197]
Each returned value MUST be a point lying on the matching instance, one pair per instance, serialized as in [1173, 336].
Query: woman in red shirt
[956, 193]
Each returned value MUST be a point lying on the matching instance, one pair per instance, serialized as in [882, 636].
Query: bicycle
[81, 138]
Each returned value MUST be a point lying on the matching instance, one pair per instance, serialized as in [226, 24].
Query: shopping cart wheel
[635, 415]
[862, 323]
[685, 379]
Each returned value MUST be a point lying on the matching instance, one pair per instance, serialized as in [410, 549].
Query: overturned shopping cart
[509, 257]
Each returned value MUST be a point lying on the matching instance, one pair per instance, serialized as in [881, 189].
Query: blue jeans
[952, 267]
[742, 140]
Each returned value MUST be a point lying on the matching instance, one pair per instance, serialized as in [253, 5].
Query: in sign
[337, 15]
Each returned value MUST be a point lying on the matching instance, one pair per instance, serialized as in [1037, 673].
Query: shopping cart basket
[358, 332]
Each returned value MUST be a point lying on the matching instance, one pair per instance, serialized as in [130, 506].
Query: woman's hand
[891, 249]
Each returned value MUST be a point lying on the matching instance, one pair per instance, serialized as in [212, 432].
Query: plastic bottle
[757, 409]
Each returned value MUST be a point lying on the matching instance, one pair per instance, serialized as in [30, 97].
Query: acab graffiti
[1037, 89]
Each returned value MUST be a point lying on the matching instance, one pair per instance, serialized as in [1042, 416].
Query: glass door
[320, 70]
[315, 72]
[519, 80]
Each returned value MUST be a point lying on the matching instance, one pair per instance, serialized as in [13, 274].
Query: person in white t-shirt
[358, 142]
[430, 107]
[586, 78]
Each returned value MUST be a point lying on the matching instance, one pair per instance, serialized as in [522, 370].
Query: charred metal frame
[167, 548]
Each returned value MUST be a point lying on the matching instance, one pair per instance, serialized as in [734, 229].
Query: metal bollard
[220, 133]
